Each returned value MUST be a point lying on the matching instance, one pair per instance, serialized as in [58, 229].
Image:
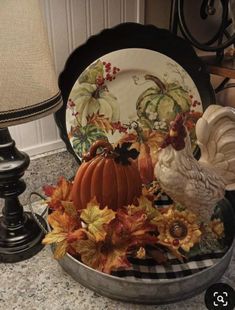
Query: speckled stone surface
[41, 284]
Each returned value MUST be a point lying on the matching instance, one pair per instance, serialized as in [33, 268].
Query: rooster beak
[173, 133]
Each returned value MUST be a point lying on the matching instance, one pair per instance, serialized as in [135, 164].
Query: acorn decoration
[110, 175]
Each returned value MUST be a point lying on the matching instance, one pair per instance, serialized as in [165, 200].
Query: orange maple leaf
[65, 231]
[58, 194]
[102, 256]
[146, 205]
[131, 229]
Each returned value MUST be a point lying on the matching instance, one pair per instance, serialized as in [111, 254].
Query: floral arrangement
[103, 238]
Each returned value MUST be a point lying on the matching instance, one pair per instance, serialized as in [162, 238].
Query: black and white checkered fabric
[148, 268]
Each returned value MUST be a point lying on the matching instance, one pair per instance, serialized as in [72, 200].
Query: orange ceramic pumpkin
[146, 142]
[111, 176]
[144, 162]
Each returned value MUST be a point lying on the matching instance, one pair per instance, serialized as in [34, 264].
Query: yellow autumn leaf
[60, 250]
[65, 230]
[102, 256]
[59, 193]
[95, 218]
[153, 215]
[63, 221]
[115, 259]
[56, 236]
[70, 209]
[90, 252]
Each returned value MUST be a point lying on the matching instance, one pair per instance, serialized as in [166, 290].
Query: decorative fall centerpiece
[105, 237]
[107, 215]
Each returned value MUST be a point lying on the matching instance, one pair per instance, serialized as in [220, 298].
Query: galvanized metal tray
[158, 291]
[147, 291]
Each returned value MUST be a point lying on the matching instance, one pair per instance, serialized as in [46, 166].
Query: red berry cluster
[195, 103]
[118, 126]
[70, 103]
[110, 72]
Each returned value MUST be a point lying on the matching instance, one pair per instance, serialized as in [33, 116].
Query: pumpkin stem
[94, 147]
[139, 131]
[157, 81]
[123, 153]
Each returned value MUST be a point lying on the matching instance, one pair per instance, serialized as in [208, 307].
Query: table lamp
[28, 91]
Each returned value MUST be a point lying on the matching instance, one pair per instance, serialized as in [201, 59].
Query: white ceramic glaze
[199, 185]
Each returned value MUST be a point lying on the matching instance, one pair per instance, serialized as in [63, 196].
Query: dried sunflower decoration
[179, 229]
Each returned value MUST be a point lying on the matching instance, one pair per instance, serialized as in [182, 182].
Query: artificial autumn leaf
[90, 252]
[48, 190]
[69, 208]
[172, 250]
[65, 230]
[133, 229]
[58, 194]
[115, 259]
[152, 192]
[100, 121]
[95, 218]
[141, 253]
[217, 228]
[60, 249]
[147, 207]
[102, 256]
[61, 220]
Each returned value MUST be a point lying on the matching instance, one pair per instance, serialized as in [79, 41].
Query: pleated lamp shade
[28, 83]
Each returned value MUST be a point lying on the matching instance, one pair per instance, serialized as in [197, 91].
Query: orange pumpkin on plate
[111, 176]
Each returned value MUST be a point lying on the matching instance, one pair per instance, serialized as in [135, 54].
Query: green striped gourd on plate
[161, 102]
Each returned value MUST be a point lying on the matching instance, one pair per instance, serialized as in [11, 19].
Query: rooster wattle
[199, 185]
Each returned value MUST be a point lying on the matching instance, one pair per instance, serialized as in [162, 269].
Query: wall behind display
[69, 23]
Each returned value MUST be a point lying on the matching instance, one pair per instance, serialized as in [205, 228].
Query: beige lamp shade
[28, 83]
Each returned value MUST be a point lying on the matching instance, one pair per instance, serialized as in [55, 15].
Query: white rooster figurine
[199, 185]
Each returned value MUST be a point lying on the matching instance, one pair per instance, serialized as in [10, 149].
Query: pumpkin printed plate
[130, 95]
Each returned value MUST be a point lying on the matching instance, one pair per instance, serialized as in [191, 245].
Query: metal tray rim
[156, 281]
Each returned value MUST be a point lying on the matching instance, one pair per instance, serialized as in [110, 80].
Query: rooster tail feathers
[215, 132]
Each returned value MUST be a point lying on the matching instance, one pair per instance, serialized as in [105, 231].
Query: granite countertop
[40, 282]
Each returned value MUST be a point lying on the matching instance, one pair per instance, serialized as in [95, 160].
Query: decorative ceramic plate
[129, 95]
[108, 95]
[127, 91]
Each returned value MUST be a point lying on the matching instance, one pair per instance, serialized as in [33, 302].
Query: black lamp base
[20, 242]
[20, 235]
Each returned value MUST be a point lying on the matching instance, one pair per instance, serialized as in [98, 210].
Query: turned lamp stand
[20, 235]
